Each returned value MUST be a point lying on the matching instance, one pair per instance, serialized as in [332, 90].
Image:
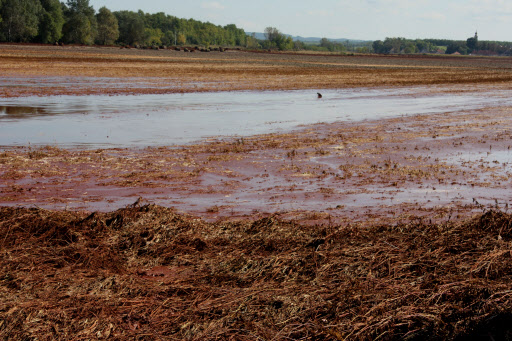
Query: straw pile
[147, 272]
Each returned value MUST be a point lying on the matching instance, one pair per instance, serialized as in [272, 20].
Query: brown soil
[129, 71]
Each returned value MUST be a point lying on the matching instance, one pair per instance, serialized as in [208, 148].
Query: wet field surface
[354, 154]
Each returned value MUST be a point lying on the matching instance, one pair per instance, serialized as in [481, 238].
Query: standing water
[155, 120]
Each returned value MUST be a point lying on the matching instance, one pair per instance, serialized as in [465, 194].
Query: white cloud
[320, 13]
[212, 5]
[435, 16]
[488, 9]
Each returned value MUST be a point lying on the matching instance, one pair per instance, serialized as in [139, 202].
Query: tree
[108, 27]
[131, 27]
[457, 46]
[20, 19]
[331, 46]
[252, 42]
[181, 40]
[80, 26]
[272, 34]
[324, 42]
[424, 46]
[472, 43]
[153, 36]
[276, 39]
[378, 47]
[410, 47]
[51, 21]
[285, 43]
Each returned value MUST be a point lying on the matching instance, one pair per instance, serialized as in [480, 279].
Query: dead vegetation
[148, 273]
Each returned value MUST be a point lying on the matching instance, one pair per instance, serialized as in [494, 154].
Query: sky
[353, 19]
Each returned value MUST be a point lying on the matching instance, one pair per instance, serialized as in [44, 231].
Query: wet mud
[434, 166]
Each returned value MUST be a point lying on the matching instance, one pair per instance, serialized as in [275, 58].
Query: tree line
[471, 45]
[77, 22]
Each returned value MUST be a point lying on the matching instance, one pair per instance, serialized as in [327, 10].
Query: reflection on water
[21, 111]
[151, 120]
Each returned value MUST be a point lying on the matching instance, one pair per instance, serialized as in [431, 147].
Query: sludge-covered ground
[149, 273]
[373, 271]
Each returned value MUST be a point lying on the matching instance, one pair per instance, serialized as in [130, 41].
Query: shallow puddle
[154, 120]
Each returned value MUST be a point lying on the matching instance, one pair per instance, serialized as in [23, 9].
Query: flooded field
[214, 196]
[174, 119]
[352, 154]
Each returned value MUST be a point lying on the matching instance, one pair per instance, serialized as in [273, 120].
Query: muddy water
[152, 120]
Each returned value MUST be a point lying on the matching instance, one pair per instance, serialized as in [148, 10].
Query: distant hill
[261, 36]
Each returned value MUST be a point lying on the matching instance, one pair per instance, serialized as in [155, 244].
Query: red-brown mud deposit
[385, 229]
[439, 166]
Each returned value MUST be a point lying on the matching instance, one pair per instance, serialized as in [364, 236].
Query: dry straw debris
[149, 273]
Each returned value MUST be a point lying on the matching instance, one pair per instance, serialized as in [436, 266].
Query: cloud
[434, 16]
[488, 9]
[320, 13]
[212, 5]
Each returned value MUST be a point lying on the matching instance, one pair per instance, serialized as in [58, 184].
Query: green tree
[272, 34]
[378, 47]
[153, 36]
[131, 27]
[252, 42]
[80, 26]
[457, 46]
[331, 46]
[277, 39]
[51, 21]
[324, 42]
[108, 27]
[20, 19]
[237, 35]
[410, 47]
[181, 39]
[472, 43]
[285, 43]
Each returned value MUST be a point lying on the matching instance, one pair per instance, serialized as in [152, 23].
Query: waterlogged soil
[435, 167]
[437, 164]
